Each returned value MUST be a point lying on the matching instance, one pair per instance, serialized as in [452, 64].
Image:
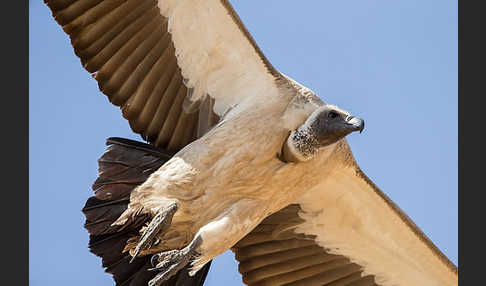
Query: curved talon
[160, 260]
[154, 260]
[159, 224]
[170, 262]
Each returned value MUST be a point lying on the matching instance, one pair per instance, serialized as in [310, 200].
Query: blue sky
[393, 63]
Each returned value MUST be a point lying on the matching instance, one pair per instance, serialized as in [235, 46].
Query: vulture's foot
[159, 224]
[170, 262]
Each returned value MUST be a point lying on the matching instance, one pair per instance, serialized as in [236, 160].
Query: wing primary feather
[74, 10]
[149, 93]
[93, 39]
[142, 123]
[264, 228]
[114, 70]
[91, 16]
[57, 5]
[329, 276]
[158, 119]
[351, 278]
[171, 119]
[188, 131]
[183, 123]
[120, 47]
[303, 273]
[277, 257]
[259, 237]
[368, 280]
[133, 76]
[288, 266]
[270, 247]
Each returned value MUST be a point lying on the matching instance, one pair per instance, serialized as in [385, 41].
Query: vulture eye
[332, 114]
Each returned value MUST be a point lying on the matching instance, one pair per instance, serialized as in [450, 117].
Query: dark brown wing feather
[125, 165]
[273, 254]
[126, 46]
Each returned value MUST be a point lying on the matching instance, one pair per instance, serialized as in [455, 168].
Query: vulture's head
[325, 126]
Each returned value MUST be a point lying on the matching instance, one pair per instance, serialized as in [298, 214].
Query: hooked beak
[355, 123]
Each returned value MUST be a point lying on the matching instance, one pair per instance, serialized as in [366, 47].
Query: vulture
[238, 156]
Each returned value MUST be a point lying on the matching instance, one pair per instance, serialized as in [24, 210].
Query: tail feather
[124, 271]
[113, 190]
[110, 247]
[125, 165]
[101, 214]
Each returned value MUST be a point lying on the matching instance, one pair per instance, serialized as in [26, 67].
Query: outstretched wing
[172, 66]
[344, 232]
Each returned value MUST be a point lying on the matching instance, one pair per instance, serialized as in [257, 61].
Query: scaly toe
[172, 262]
[159, 224]
[164, 257]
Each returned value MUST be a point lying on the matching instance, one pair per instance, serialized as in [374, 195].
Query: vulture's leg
[211, 240]
[170, 262]
[159, 224]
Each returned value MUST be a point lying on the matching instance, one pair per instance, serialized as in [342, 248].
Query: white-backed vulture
[241, 157]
